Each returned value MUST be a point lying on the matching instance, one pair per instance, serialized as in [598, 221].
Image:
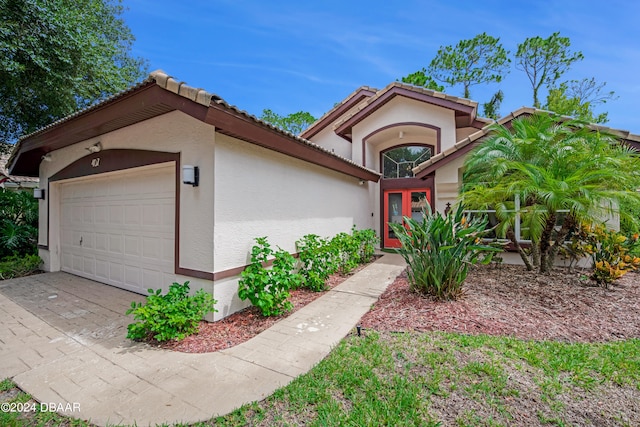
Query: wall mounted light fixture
[191, 175]
[38, 193]
[95, 148]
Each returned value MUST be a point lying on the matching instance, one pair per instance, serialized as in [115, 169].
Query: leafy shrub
[439, 249]
[174, 315]
[18, 223]
[367, 240]
[348, 250]
[613, 254]
[319, 259]
[18, 266]
[268, 289]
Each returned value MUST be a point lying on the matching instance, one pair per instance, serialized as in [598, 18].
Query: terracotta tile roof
[338, 106]
[197, 95]
[416, 89]
[167, 82]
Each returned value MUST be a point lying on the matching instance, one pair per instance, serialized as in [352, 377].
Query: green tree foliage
[481, 59]
[491, 109]
[58, 56]
[421, 78]
[294, 123]
[577, 98]
[562, 173]
[545, 60]
[18, 223]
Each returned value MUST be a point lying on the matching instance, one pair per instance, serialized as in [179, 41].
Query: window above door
[399, 161]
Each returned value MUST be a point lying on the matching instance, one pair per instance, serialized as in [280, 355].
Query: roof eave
[465, 112]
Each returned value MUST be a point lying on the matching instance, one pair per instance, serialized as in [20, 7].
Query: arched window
[397, 162]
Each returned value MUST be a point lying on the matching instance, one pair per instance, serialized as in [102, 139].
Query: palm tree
[558, 171]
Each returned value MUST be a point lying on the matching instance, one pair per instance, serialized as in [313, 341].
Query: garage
[118, 228]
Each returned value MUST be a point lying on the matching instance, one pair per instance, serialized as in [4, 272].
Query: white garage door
[118, 228]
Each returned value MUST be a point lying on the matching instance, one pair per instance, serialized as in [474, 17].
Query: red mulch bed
[245, 324]
[504, 300]
[510, 301]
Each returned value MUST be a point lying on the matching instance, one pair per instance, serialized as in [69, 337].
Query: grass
[447, 379]
[433, 379]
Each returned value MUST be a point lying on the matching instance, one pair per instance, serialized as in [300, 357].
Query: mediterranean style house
[165, 182]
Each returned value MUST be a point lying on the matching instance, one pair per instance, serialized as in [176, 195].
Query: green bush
[348, 250]
[18, 266]
[268, 288]
[318, 260]
[18, 223]
[439, 249]
[174, 315]
[613, 254]
[367, 240]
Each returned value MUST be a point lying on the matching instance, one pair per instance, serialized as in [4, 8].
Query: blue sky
[307, 55]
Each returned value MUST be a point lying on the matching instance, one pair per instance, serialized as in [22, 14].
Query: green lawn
[432, 379]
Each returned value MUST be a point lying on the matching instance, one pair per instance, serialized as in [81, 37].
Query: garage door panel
[152, 247]
[102, 242]
[132, 276]
[126, 225]
[87, 215]
[102, 269]
[101, 216]
[116, 273]
[132, 215]
[116, 246]
[115, 215]
[131, 247]
[89, 265]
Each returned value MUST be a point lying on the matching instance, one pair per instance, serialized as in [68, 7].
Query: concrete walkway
[79, 360]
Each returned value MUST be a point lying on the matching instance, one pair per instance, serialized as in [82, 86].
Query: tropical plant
[439, 249]
[613, 254]
[18, 223]
[172, 316]
[268, 288]
[19, 266]
[560, 173]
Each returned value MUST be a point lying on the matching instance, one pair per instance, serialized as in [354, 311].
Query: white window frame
[517, 210]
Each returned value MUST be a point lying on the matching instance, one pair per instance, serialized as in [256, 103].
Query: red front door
[401, 203]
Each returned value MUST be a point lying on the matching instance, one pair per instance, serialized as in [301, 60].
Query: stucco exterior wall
[402, 110]
[328, 139]
[259, 192]
[447, 183]
[172, 132]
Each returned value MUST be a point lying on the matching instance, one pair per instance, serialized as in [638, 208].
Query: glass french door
[401, 203]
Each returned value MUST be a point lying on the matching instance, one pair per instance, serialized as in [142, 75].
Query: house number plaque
[95, 162]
